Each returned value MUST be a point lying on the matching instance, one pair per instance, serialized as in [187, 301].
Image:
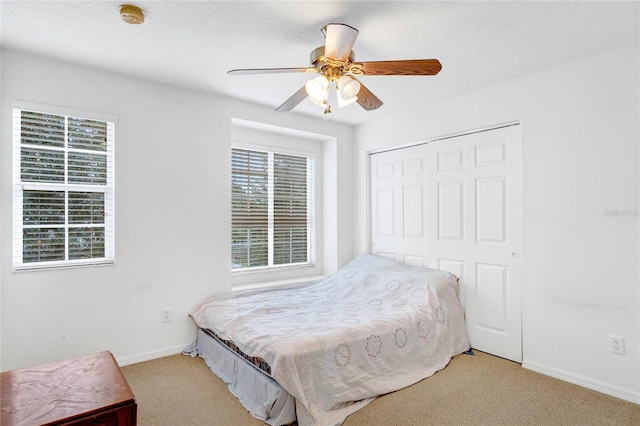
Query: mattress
[255, 361]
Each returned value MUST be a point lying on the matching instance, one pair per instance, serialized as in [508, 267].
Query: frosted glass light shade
[317, 88]
[348, 89]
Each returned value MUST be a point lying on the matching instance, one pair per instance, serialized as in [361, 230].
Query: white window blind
[272, 206]
[63, 192]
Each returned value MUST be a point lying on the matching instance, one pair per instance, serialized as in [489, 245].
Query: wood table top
[63, 390]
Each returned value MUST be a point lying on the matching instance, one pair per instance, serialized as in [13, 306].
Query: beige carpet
[471, 390]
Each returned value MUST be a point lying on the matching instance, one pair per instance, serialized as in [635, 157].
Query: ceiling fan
[337, 66]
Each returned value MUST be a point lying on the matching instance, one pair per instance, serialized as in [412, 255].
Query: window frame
[19, 188]
[312, 212]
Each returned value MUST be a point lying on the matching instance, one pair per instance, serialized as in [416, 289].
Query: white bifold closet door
[454, 204]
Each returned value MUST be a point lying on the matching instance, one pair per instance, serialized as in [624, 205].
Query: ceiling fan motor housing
[331, 68]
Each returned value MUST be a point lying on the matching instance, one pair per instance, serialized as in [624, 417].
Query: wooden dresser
[90, 390]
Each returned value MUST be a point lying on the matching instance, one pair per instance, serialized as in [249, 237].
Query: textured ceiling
[193, 44]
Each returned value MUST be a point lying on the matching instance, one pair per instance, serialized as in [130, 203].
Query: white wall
[580, 139]
[172, 216]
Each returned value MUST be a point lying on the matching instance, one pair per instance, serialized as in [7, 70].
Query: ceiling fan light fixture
[348, 89]
[317, 88]
[348, 86]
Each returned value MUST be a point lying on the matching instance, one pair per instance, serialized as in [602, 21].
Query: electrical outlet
[617, 345]
[165, 314]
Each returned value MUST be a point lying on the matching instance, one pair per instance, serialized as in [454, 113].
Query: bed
[317, 353]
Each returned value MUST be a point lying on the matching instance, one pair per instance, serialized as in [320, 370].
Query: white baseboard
[148, 356]
[586, 382]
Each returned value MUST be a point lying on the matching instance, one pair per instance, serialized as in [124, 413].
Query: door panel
[491, 204]
[451, 210]
[413, 211]
[491, 279]
[385, 222]
[491, 291]
[455, 205]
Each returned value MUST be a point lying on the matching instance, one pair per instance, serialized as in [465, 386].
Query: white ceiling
[193, 44]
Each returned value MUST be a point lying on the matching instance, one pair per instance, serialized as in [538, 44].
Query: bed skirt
[262, 396]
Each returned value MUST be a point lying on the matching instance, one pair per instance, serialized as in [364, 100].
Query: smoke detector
[131, 14]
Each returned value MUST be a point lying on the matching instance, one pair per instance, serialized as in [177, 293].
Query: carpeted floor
[472, 390]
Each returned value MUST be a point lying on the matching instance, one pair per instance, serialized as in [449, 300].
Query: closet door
[454, 204]
[475, 231]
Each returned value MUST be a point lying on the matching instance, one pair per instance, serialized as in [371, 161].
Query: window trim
[311, 195]
[18, 188]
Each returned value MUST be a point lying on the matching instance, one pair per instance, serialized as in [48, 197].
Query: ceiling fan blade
[339, 40]
[407, 67]
[368, 100]
[294, 100]
[247, 71]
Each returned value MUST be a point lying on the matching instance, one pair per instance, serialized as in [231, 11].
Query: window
[272, 209]
[63, 195]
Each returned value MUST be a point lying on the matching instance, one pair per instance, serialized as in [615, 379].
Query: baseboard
[586, 382]
[148, 356]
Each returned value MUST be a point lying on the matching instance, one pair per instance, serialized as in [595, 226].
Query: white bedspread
[373, 327]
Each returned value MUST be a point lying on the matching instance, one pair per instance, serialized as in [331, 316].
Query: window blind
[290, 209]
[272, 208]
[63, 196]
[249, 208]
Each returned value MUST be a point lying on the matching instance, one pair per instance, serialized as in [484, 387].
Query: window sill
[293, 282]
[49, 266]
